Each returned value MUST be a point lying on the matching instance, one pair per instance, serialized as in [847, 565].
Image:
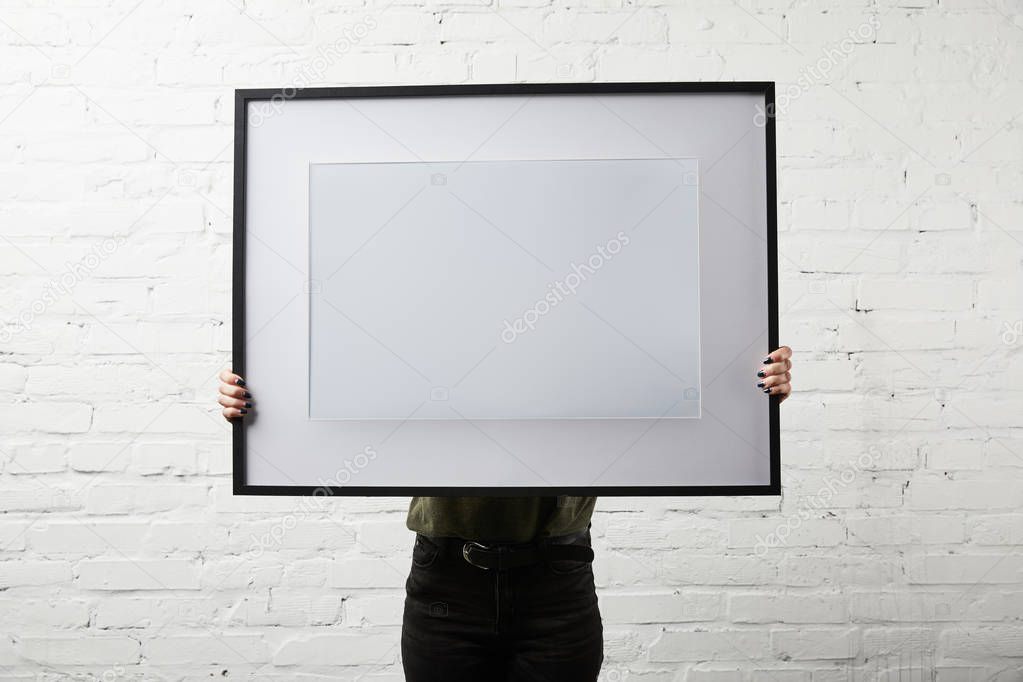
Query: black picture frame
[244, 96]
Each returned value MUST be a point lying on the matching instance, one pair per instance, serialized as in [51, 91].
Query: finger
[780, 389]
[776, 380]
[229, 377]
[233, 412]
[783, 353]
[234, 392]
[233, 402]
[786, 391]
[775, 368]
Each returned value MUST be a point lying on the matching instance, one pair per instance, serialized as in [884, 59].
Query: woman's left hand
[776, 376]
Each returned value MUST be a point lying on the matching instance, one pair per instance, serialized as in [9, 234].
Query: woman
[501, 588]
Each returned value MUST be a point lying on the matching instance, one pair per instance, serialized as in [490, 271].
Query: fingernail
[244, 411]
[240, 382]
[761, 374]
[766, 390]
[246, 395]
[250, 404]
[768, 360]
[760, 384]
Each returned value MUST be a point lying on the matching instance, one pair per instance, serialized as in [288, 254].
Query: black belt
[502, 557]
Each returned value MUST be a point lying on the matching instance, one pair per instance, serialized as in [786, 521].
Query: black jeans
[538, 623]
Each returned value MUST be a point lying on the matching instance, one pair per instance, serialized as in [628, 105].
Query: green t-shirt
[499, 519]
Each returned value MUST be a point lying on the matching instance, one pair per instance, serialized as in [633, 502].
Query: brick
[290, 609]
[93, 457]
[338, 649]
[698, 645]
[813, 643]
[146, 497]
[28, 573]
[46, 417]
[116, 611]
[787, 608]
[374, 610]
[44, 614]
[970, 569]
[83, 537]
[365, 572]
[660, 607]
[982, 642]
[211, 647]
[137, 574]
[36, 458]
[885, 530]
[78, 650]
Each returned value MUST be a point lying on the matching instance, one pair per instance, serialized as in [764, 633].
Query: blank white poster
[543, 289]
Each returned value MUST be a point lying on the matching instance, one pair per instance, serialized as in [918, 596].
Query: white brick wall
[896, 546]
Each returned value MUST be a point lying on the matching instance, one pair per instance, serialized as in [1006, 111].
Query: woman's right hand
[234, 396]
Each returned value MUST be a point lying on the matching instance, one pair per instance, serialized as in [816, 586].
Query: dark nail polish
[760, 384]
[244, 411]
[246, 395]
[248, 404]
[240, 382]
[766, 390]
[761, 374]
[768, 360]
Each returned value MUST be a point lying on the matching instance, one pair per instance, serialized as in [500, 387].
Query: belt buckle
[465, 553]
